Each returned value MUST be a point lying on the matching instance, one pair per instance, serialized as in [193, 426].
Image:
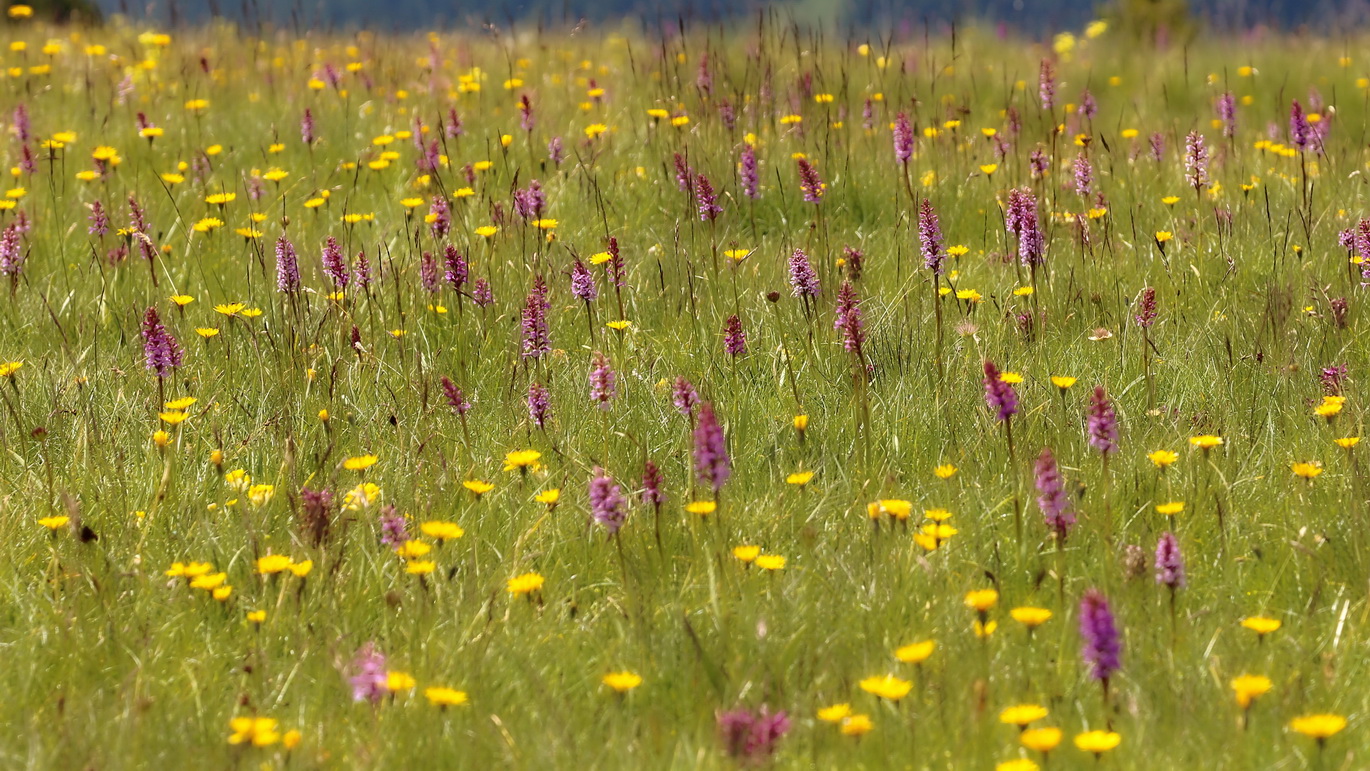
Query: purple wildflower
[903, 139]
[455, 398]
[1195, 160]
[734, 339]
[1084, 175]
[394, 528]
[160, 349]
[363, 271]
[1299, 131]
[307, 127]
[1169, 562]
[603, 381]
[684, 397]
[529, 203]
[456, 270]
[139, 224]
[616, 269]
[707, 200]
[803, 279]
[606, 501]
[526, 120]
[441, 213]
[752, 737]
[1146, 308]
[930, 238]
[704, 80]
[99, 221]
[428, 273]
[1332, 378]
[11, 253]
[1037, 162]
[539, 405]
[855, 259]
[1051, 496]
[1157, 142]
[481, 294]
[1227, 113]
[1103, 423]
[583, 283]
[1103, 646]
[334, 264]
[809, 181]
[1088, 107]
[712, 464]
[317, 513]
[652, 494]
[536, 339]
[728, 114]
[1046, 84]
[868, 115]
[746, 171]
[21, 123]
[287, 266]
[453, 127]
[684, 175]
[848, 320]
[369, 676]
[554, 152]
[999, 395]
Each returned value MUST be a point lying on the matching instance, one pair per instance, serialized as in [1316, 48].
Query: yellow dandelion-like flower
[622, 682]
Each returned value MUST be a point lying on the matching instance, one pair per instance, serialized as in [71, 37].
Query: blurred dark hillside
[1028, 16]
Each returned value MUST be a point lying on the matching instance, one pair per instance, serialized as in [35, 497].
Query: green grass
[112, 664]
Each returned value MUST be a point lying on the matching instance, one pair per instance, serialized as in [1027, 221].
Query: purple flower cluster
[455, 398]
[712, 464]
[603, 381]
[1146, 308]
[160, 350]
[440, 212]
[1102, 423]
[684, 396]
[606, 501]
[369, 676]
[652, 481]
[1299, 130]
[583, 283]
[99, 221]
[848, 320]
[930, 238]
[536, 334]
[456, 271]
[334, 265]
[539, 405]
[752, 736]
[1195, 160]
[287, 266]
[999, 395]
[809, 181]
[1227, 113]
[530, 202]
[734, 339]
[903, 139]
[394, 528]
[1084, 175]
[803, 279]
[307, 127]
[1051, 496]
[1046, 84]
[428, 273]
[1103, 645]
[707, 199]
[747, 173]
[11, 252]
[1020, 218]
[1169, 562]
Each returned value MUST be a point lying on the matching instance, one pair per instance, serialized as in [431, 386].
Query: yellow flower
[1022, 714]
[301, 569]
[399, 681]
[20, 12]
[257, 731]
[360, 462]
[1017, 764]
[443, 531]
[1307, 470]
[161, 438]
[894, 507]
[1063, 382]
[1097, 742]
[219, 199]
[486, 230]
[52, 523]
[477, 486]
[173, 417]
[915, 653]
[799, 478]
[982, 599]
[1249, 687]
[1206, 442]
[525, 584]
[1040, 739]
[983, 630]
[549, 496]
[1170, 509]
[1320, 727]
[229, 309]
[1162, 458]
[958, 250]
[1346, 442]
[444, 697]
[618, 325]
[1163, 235]
[8, 368]
[746, 553]
[209, 582]
[944, 471]
[1262, 625]
[1030, 617]
[361, 496]
[413, 548]
[856, 725]
[702, 508]
[256, 616]
[886, 687]
[801, 423]
[291, 739]
[206, 332]
[181, 403]
[622, 682]
[835, 714]
[521, 459]
[988, 169]
[770, 562]
[272, 564]
[261, 495]
[1012, 378]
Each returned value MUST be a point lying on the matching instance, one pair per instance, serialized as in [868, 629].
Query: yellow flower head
[525, 584]
[478, 486]
[1306, 470]
[444, 697]
[1249, 687]
[272, 564]
[856, 725]
[1063, 382]
[886, 687]
[1320, 727]
[799, 478]
[1162, 458]
[944, 471]
[443, 531]
[1040, 739]
[521, 459]
[622, 682]
[1022, 714]
[1097, 742]
[1206, 442]
[915, 653]
[1262, 625]
[1030, 617]
[982, 600]
[770, 562]
[360, 462]
[835, 713]
[1170, 509]
[257, 731]
[747, 553]
[702, 508]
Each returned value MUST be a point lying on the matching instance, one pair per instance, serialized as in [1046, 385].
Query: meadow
[710, 397]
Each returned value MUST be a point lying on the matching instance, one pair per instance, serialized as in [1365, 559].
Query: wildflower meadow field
[701, 397]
